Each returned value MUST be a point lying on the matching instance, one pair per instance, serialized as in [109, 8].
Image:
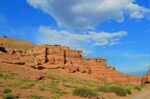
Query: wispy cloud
[85, 14]
[77, 40]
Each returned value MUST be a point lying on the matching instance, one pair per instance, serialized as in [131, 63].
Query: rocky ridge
[62, 57]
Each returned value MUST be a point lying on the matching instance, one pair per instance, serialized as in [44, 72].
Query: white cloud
[137, 11]
[76, 40]
[89, 13]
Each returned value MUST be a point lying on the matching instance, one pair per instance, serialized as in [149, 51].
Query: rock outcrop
[62, 57]
[55, 57]
[146, 78]
[2, 48]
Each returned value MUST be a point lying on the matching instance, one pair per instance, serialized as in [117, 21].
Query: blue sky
[118, 30]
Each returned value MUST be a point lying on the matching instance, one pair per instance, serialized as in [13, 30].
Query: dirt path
[142, 95]
[145, 94]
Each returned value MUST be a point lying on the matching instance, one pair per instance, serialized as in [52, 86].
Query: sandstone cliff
[62, 57]
[55, 57]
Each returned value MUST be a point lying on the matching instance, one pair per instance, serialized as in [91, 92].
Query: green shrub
[7, 91]
[5, 75]
[84, 92]
[137, 88]
[129, 91]
[11, 96]
[104, 89]
[27, 86]
[36, 97]
[41, 88]
[59, 92]
[54, 84]
[69, 86]
[120, 91]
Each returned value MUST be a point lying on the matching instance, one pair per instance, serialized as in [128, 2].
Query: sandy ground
[144, 94]
[28, 72]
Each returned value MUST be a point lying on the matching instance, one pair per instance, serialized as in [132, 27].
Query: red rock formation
[55, 54]
[73, 57]
[54, 57]
[146, 78]
[2, 48]
[72, 61]
[40, 55]
[9, 59]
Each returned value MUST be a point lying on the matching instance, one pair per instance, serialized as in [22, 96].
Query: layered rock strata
[62, 57]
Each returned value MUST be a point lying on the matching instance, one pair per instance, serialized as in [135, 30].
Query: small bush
[54, 84]
[36, 97]
[59, 92]
[41, 88]
[11, 96]
[104, 89]
[27, 86]
[86, 93]
[5, 75]
[69, 86]
[7, 91]
[129, 91]
[116, 89]
[137, 88]
[119, 91]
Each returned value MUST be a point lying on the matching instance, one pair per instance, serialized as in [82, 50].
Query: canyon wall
[70, 60]
[73, 61]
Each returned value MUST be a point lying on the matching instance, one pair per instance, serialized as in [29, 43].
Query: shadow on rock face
[3, 49]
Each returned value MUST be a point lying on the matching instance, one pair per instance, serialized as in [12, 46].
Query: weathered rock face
[60, 55]
[2, 48]
[49, 54]
[54, 57]
[40, 55]
[146, 78]
[9, 59]
[19, 53]
[55, 54]
[73, 57]
[72, 61]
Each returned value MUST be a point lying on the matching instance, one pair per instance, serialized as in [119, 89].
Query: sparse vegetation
[54, 84]
[7, 91]
[27, 86]
[69, 86]
[55, 88]
[11, 96]
[36, 97]
[5, 36]
[41, 88]
[138, 88]
[23, 84]
[120, 91]
[84, 92]
[129, 91]
[6, 75]
[104, 89]
[59, 92]
[60, 85]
